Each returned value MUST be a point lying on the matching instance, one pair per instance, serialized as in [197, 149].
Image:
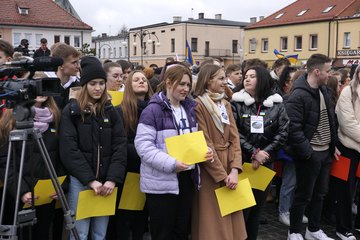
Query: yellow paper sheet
[131, 197]
[91, 205]
[43, 189]
[260, 178]
[116, 97]
[234, 200]
[188, 148]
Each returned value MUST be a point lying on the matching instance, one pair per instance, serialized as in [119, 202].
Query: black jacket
[34, 165]
[303, 108]
[276, 123]
[93, 149]
[41, 53]
[62, 100]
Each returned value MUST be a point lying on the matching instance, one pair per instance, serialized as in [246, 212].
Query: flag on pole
[188, 54]
[293, 58]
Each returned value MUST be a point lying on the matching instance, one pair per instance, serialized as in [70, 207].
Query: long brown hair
[174, 74]
[84, 100]
[354, 85]
[129, 104]
[207, 72]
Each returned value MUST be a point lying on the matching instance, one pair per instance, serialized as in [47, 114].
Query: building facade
[306, 27]
[206, 38]
[111, 47]
[38, 19]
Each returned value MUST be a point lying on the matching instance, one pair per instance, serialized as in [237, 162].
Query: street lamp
[142, 34]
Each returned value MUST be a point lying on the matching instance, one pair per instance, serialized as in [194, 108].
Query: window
[298, 43]
[194, 43]
[28, 36]
[134, 50]
[76, 41]
[109, 51]
[17, 39]
[103, 53]
[313, 42]
[23, 11]
[67, 40]
[283, 44]
[302, 12]
[207, 48]
[37, 39]
[279, 15]
[252, 44]
[56, 38]
[234, 46]
[114, 52]
[144, 47]
[173, 45]
[153, 47]
[346, 40]
[264, 45]
[126, 50]
[328, 9]
[120, 52]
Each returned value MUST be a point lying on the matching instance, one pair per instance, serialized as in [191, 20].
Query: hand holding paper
[260, 178]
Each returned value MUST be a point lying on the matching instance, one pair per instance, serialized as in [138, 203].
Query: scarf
[42, 118]
[208, 99]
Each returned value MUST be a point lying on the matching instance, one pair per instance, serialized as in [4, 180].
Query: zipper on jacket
[98, 162]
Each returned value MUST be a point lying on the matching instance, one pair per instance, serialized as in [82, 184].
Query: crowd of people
[301, 117]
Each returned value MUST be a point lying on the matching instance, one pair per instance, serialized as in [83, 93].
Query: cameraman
[23, 47]
[67, 73]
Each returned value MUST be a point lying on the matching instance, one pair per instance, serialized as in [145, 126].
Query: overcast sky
[108, 16]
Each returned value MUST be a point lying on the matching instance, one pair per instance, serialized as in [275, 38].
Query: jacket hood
[245, 97]
[161, 99]
[302, 83]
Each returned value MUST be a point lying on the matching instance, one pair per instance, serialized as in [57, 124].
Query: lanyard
[258, 112]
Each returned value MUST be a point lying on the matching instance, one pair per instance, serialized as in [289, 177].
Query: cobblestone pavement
[273, 229]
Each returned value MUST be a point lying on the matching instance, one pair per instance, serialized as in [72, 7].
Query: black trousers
[169, 213]
[312, 178]
[345, 191]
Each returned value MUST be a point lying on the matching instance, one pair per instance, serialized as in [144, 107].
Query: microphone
[45, 63]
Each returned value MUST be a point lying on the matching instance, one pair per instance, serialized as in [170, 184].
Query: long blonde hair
[354, 84]
[129, 103]
[84, 100]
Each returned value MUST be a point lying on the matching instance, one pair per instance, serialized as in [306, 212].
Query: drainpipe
[329, 38]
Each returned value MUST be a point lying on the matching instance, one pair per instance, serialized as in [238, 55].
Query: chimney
[261, 18]
[201, 15]
[103, 35]
[253, 20]
[190, 18]
[218, 16]
[176, 19]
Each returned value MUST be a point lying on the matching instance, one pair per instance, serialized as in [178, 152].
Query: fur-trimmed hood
[243, 96]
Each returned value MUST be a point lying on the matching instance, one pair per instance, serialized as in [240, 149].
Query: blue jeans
[288, 185]
[95, 226]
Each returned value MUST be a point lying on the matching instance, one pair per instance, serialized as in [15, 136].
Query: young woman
[263, 128]
[216, 120]
[348, 114]
[46, 119]
[137, 94]
[166, 181]
[114, 75]
[92, 145]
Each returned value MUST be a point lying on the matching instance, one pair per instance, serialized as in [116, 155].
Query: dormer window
[279, 15]
[23, 11]
[328, 9]
[302, 12]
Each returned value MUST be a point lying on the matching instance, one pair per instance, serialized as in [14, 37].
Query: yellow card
[116, 97]
[260, 178]
[188, 148]
[43, 189]
[131, 197]
[91, 205]
[234, 200]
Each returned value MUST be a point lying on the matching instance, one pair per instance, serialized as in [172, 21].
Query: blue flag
[188, 54]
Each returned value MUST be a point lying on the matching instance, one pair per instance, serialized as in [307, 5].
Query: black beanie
[91, 69]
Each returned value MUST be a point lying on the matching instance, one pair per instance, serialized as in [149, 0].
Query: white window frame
[347, 37]
[296, 42]
[252, 45]
[77, 41]
[311, 48]
[263, 45]
[282, 43]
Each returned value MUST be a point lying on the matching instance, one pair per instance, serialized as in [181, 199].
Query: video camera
[20, 90]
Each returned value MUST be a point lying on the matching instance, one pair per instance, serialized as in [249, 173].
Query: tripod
[27, 217]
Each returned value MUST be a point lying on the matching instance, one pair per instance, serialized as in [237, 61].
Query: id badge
[223, 115]
[257, 124]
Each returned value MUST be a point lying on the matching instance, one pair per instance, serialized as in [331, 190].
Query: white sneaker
[318, 235]
[346, 236]
[295, 236]
[305, 219]
[284, 218]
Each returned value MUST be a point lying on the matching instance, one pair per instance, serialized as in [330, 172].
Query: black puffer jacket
[303, 108]
[34, 165]
[93, 149]
[275, 123]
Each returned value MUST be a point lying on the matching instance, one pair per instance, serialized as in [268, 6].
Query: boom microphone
[38, 64]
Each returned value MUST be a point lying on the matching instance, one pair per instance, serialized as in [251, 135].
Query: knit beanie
[91, 69]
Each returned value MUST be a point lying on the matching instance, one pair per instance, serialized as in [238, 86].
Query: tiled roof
[42, 13]
[291, 14]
